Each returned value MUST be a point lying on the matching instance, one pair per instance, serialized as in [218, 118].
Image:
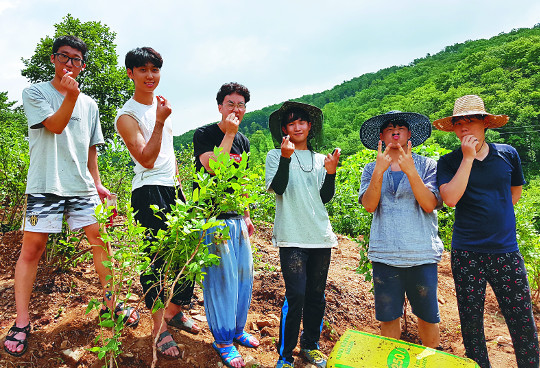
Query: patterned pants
[507, 276]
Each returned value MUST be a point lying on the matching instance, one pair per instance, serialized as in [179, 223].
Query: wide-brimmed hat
[315, 116]
[419, 126]
[470, 105]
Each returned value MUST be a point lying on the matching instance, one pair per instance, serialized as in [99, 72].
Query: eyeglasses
[76, 62]
[231, 105]
[468, 118]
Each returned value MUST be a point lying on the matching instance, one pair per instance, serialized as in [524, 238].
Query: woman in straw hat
[303, 181]
[484, 181]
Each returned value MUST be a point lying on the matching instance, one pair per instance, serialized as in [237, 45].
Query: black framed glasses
[231, 105]
[63, 58]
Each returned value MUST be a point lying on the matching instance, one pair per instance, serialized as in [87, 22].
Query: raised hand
[69, 83]
[331, 161]
[468, 146]
[405, 160]
[287, 147]
[383, 160]
[231, 124]
[163, 109]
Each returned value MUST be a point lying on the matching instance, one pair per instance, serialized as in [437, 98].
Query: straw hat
[419, 126]
[470, 105]
[315, 116]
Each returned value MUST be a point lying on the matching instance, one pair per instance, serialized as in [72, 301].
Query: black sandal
[119, 310]
[14, 330]
[161, 349]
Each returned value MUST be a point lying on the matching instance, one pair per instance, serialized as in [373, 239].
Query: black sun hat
[419, 126]
[315, 117]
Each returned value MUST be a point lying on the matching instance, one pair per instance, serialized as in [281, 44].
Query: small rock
[441, 300]
[268, 341]
[220, 365]
[128, 355]
[250, 361]
[133, 298]
[64, 345]
[264, 323]
[254, 326]
[191, 361]
[274, 317]
[75, 355]
[200, 318]
[267, 331]
[504, 341]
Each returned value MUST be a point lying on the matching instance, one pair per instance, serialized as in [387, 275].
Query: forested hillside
[504, 70]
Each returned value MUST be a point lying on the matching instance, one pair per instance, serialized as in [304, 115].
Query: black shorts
[163, 197]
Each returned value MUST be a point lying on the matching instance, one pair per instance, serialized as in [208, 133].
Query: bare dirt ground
[59, 323]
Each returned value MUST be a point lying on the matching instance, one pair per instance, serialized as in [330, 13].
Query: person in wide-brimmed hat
[303, 182]
[400, 189]
[484, 181]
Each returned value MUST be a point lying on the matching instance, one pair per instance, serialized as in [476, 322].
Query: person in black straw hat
[303, 182]
[400, 189]
[484, 181]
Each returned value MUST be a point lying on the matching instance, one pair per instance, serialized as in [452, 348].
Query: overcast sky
[279, 49]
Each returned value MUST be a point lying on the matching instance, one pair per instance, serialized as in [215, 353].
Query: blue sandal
[243, 339]
[227, 354]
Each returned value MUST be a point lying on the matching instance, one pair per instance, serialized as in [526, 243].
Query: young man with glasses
[484, 181]
[63, 177]
[228, 286]
[145, 127]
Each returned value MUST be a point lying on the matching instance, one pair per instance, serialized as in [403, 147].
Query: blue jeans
[227, 287]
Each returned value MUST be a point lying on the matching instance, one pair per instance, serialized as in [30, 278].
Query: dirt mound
[59, 301]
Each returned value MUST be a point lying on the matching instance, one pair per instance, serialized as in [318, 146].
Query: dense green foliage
[14, 161]
[103, 79]
[503, 70]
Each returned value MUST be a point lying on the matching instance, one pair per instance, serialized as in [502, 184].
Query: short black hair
[294, 114]
[71, 41]
[229, 88]
[394, 122]
[141, 56]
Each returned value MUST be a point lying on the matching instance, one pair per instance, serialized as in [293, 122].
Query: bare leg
[25, 274]
[429, 333]
[391, 329]
[100, 253]
[157, 317]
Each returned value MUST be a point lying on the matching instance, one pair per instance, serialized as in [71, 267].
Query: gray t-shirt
[402, 233]
[59, 162]
[301, 219]
[164, 170]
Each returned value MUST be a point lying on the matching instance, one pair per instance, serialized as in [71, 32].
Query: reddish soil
[60, 300]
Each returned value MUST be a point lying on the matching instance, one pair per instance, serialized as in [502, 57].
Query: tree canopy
[103, 79]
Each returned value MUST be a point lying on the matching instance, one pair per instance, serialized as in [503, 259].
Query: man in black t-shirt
[228, 286]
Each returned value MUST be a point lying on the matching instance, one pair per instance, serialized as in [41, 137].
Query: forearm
[93, 165]
[281, 179]
[328, 188]
[150, 151]
[57, 122]
[370, 199]
[452, 191]
[424, 196]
